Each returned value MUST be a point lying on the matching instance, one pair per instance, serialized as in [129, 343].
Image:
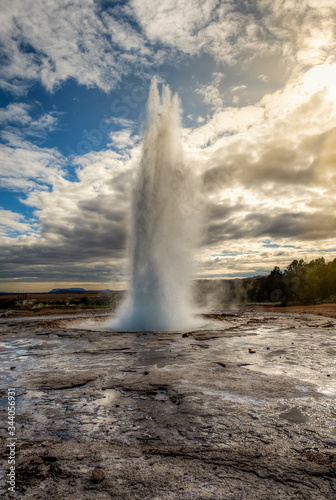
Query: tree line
[299, 283]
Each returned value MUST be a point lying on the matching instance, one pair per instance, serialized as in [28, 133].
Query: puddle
[4, 401]
[109, 398]
[35, 394]
[299, 354]
[235, 398]
[327, 389]
[294, 416]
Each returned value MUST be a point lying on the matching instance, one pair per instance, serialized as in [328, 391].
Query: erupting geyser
[163, 226]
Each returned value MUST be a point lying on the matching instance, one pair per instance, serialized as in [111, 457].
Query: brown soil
[328, 310]
[47, 311]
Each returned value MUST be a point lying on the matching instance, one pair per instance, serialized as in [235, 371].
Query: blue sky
[256, 81]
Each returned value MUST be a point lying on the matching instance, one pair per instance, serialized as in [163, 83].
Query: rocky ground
[243, 409]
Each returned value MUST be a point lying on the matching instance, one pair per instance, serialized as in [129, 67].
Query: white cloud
[16, 120]
[24, 166]
[211, 95]
[238, 88]
[66, 40]
[227, 122]
[11, 221]
[123, 139]
[263, 78]
[53, 41]
[230, 35]
[16, 113]
[193, 26]
[125, 36]
[217, 78]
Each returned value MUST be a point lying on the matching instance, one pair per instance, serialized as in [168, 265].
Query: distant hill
[76, 290]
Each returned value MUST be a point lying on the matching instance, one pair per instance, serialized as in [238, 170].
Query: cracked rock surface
[243, 409]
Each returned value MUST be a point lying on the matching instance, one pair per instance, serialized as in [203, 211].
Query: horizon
[113, 286]
[28, 287]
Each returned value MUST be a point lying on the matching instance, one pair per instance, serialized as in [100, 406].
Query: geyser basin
[174, 404]
[98, 323]
[163, 227]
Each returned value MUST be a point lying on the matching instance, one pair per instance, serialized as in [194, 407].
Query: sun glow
[321, 77]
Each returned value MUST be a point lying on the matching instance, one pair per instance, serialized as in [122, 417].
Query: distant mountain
[76, 290]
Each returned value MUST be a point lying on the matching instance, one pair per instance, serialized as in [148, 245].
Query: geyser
[163, 226]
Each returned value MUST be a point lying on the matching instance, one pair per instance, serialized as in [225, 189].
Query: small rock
[330, 441]
[145, 373]
[49, 459]
[97, 475]
[103, 388]
[251, 351]
[12, 367]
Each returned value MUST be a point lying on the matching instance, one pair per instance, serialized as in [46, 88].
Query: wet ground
[243, 409]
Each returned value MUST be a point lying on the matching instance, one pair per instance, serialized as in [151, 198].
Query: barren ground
[244, 409]
[328, 310]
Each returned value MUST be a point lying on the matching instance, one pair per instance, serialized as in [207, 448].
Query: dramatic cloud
[11, 223]
[270, 173]
[257, 79]
[24, 166]
[237, 31]
[81, 223]
[16, 120]
[53, 41]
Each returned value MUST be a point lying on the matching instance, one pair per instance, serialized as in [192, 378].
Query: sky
[257, 84]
